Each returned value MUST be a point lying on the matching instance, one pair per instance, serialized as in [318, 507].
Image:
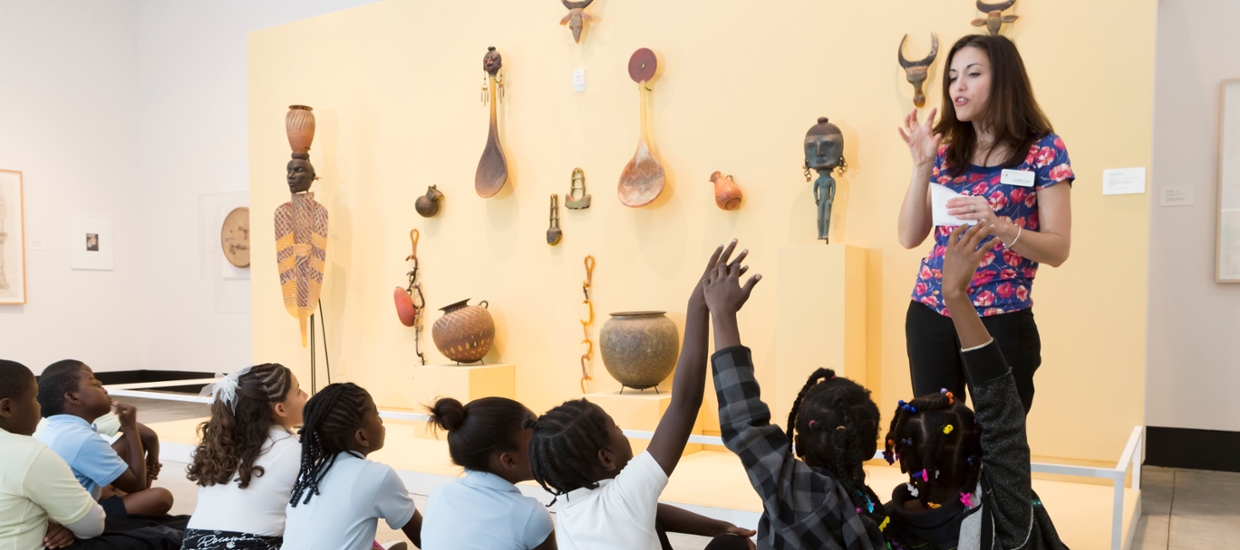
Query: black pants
[721, 542]
[934, 359]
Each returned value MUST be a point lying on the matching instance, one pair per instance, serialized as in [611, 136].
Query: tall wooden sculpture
[301, 225]
[824, 152]
[493, 167]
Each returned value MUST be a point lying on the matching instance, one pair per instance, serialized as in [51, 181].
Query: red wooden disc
[642, 65]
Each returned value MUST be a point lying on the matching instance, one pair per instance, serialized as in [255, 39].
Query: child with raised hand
[41, 503]
[247, 461]
[821, 500]
[484, 510]
[969, 484]
[72, 398]
[607, 497]
[342, 426]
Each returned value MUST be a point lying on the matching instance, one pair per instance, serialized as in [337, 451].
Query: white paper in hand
[939, 195]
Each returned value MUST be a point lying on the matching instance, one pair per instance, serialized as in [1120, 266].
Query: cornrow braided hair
[838, 424]
[233, 439]
[938, 443]
[331, 418]
[564, 446]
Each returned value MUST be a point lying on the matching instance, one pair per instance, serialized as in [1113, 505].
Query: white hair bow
[225, 391]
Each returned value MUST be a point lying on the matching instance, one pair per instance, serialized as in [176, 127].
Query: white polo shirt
[483, 511]
[35, 484]
[345, 514]
[619, 514]
[259, 508]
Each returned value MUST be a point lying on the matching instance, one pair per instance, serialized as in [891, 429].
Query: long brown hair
[1012, 113]
[232, 441]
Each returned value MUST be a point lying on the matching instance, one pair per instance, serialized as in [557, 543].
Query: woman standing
[996, 148]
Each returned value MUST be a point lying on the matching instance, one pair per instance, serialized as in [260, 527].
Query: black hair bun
[448, 414]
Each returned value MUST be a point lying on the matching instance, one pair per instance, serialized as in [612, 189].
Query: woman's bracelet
[1019, 230]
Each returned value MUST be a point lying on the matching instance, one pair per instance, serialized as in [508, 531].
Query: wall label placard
[1123, 181]
[1175, 196]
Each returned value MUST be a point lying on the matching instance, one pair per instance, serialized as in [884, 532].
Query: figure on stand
[824, 152]
[301, 225]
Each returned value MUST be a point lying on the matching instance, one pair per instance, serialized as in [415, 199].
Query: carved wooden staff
[493, 167]
[587, 323]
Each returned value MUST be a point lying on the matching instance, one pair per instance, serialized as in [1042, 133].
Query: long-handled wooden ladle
[642, 179]
[493, 168]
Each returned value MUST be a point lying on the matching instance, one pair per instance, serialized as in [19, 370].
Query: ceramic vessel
[299, 124]
[428, 205]
[465, 333]
[639, 348]
[727, 193]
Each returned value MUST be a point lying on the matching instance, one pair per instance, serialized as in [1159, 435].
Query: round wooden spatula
[642, 179]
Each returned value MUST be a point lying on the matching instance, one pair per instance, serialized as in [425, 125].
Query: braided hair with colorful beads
[332, 418]
[564, 446]
[834, 424]
[938, 443]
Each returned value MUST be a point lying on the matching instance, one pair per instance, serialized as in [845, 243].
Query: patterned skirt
[200, 539]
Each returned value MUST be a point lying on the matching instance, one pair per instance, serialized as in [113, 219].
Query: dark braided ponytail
[565, 444]
[332, 417]
[938, 443]
[838, 426]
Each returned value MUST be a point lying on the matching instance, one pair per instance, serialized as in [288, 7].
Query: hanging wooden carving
[642, 180]
[587, 323]
[553, 231]
[301, 225]
[409, 300]
[916, 71]
[577, 198]
[577, 17]
[493, 167]
[994, 19]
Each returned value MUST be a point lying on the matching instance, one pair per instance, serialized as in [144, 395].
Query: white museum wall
[1194, 353]
[192, 141]
[129, 110]
[68, 121]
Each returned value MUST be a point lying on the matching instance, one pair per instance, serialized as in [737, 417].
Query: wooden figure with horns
[916, 71]
[577, 17]
[994, 19]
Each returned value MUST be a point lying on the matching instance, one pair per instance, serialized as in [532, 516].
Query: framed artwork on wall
[12, 239]
[90, 243]
[1227, 244]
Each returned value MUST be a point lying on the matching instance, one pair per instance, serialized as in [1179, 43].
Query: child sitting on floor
[342, 426]
[820, 501]
[72, 398]
[969, 484]
[247, 462]
[484, 510]
[610, 499]
[38, 493]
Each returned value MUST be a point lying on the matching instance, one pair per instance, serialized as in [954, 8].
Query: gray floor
[1181, 509]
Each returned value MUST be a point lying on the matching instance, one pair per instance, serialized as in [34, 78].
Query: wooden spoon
[642, 179]
[493, 167]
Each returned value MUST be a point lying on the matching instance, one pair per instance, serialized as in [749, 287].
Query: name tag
[1022, 178]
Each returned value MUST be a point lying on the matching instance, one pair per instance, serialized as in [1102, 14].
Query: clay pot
[428, 205]
[465, 333]
[299, 124]
[727, 194]
[639, 348]
[405, 310]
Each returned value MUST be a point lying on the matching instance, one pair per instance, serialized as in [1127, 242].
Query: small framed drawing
[12, 239]
[90, 242]
[1227, 244]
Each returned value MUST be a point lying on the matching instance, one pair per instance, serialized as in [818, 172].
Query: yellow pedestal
[820, 317]
[638, 410]
[465, 383]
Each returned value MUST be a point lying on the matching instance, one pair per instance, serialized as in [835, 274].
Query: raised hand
[723, 291]
[127, 414]
[965, 250]
[923, 143]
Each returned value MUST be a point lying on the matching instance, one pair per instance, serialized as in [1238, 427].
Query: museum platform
[714, 483]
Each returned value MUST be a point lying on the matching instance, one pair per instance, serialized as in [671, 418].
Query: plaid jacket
[803, 507]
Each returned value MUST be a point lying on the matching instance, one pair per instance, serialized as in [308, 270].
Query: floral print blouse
[1005, 278]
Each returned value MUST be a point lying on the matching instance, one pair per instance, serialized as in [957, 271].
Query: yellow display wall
[396, 90]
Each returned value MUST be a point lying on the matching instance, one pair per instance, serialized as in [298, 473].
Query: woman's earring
[806, 167]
